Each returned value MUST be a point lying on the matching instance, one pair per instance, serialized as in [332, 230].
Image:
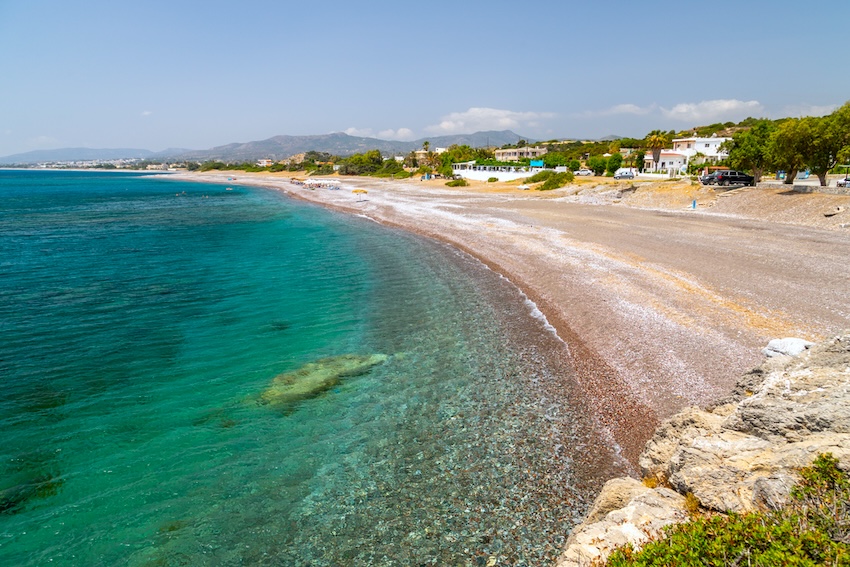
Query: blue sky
[197, 74]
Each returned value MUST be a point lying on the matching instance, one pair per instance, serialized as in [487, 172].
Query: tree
[614, 163]
[574, 165]
[830, 138]
[426, 145]
[554, 159]
[786, 147]
[597, 164]
[750, 149]
[656, 141]
[640, 156]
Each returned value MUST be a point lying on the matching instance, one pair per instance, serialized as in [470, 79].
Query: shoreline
[689, 298]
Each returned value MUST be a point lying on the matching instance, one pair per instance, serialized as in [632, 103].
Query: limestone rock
[616, 493]
[642, 518]
[679, 430]
[743, 453]
[787, 347]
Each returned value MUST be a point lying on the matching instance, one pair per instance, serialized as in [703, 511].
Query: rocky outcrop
[626, 511]
[740, 454]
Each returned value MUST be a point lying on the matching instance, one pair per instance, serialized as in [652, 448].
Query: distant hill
[277, 147]
[339, 143]
[75, 154]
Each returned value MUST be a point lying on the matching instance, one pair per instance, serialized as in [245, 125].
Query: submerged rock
[316, 377]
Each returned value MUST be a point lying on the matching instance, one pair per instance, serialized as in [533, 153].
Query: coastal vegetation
[812, 529]
[818, 144]
[550, 179]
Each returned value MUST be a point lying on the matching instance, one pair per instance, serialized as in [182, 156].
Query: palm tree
[655, 142]
[426, 145]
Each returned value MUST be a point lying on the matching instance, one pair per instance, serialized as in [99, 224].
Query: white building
[686, 151]
[468, 170]
[516, 154]
[422, 155]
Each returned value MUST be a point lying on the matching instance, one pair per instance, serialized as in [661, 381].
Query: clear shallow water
[140, 320]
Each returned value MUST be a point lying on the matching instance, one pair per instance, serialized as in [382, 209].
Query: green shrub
[540, 176]
[557, 180]
[458, 183]
[812, 530]
[492, 180]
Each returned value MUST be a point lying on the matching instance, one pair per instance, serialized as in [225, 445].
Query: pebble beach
[661, 305]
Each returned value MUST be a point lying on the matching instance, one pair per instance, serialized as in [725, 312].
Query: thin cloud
[402, 134]
[360, 132]
[802, 110]
[147, 112]
[43, 142]
[478, 119]
[618, 109]
[713, 110]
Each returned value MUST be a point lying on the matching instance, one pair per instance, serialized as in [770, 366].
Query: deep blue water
[142, 318]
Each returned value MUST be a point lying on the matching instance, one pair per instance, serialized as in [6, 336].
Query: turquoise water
[141, 319]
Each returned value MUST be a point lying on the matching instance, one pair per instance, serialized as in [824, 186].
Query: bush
[540, 176]
[458, 183]
[813, 530]
[557, 180]
[492, 180]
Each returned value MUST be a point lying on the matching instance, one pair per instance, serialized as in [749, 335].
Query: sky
[192, 74]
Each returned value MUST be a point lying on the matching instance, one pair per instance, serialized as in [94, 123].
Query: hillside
[276, 147]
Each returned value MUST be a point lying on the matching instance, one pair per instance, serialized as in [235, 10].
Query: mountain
[339, 143]
[277, 147]
[75, 154]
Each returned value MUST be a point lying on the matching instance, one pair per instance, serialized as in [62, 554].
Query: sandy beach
[661, 305]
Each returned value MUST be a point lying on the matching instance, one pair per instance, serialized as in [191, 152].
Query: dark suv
[727, 177]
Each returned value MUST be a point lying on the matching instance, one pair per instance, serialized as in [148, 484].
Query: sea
[143, 321]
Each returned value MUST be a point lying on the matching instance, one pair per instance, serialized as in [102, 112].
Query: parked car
[583, 172]
[624, 174]
[727, 177]
[843, 182]
[734, 178]
[709, 179]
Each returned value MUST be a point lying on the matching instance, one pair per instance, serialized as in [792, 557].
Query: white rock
[788, 347]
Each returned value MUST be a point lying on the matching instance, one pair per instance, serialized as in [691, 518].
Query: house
[265, 163]
[516, 154]
[422, 155]
[669, 162]
[686, 151]
[469, 170]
